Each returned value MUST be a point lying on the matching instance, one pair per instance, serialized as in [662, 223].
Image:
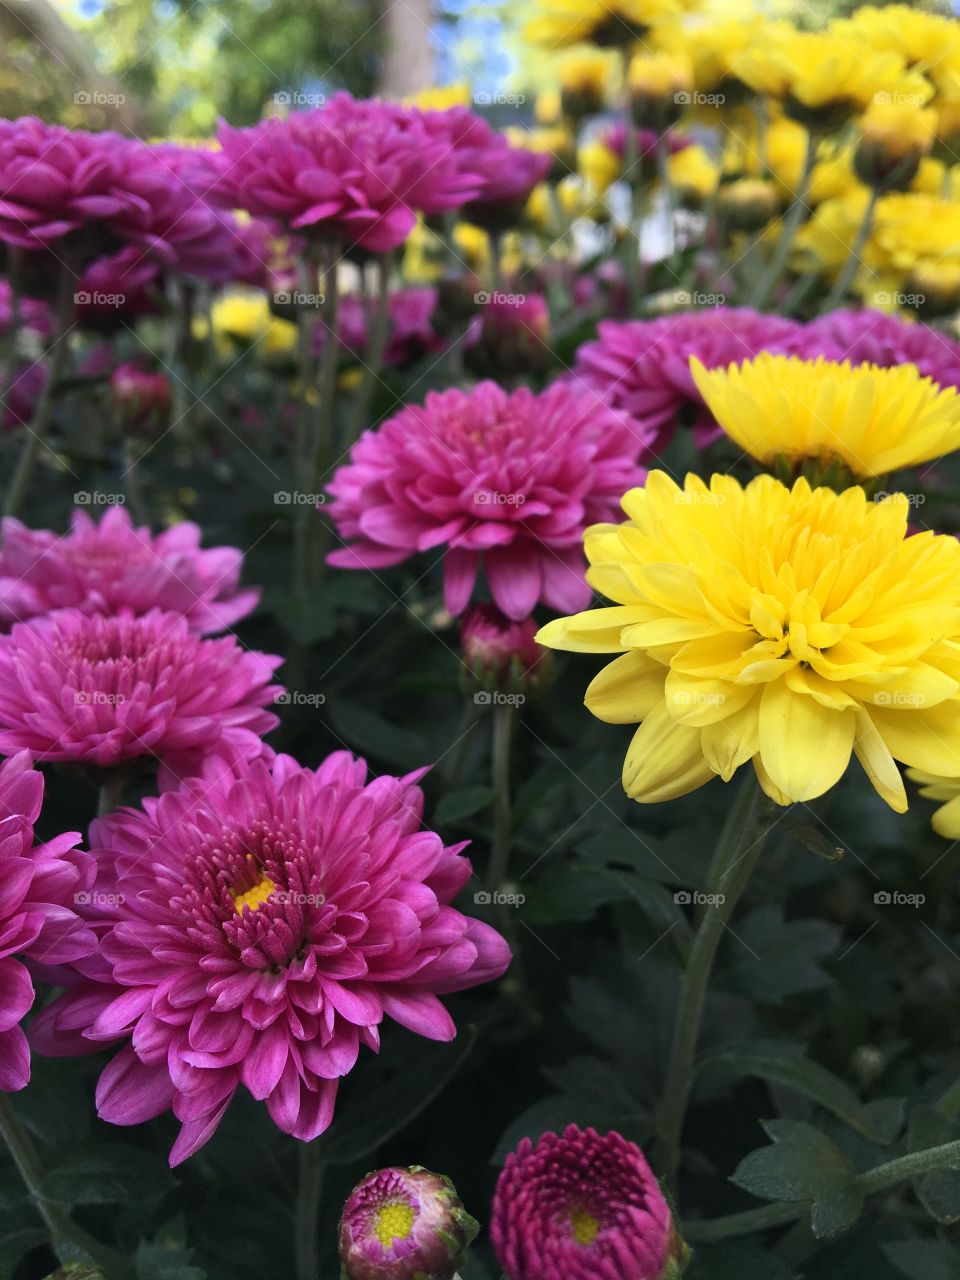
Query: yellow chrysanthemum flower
[547, 107]
[790, 628]
[922, 39]
[946, 819]
[894, 138]
[561, 23]
[441, 97]
[872, 420]
[556, 141]
[598, 165]
[694, 175]
[589, 71]
[245, 318]
[553, 208]
[715, 47]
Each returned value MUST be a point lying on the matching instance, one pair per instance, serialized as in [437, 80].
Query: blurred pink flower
[353, 171]
[39, 923]
[261, 923]
[112, 565]
[873, 337]
[643, 366]
[102, 691]
[506, 480]
[410, 334]
[581, 1206]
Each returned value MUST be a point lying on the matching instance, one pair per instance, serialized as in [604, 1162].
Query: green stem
[110, 794]
[43, 414]
[66, 1237]
[791, 225]
[323, 419]
[307, 1226]
[502, 807]
[663, 172]
[845, 278]
[736, 855]
[303, 462]
[376, 345]
[881, 1178]
[131, 476]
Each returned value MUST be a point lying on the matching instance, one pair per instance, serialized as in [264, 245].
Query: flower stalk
[791, 225]
[379, 327]
[849, 270]
[307, 1229]
[739, 847]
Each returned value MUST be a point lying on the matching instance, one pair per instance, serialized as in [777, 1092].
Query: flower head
[262, 920]
[946, 819]
[353, 171]
[41, 884]
[582, 1206]
[112, 565]
[784, 627]
[141, 399]
[643, 366]
[585, 77]
[506, 481]
[404, 1224]
[894, 138]
[871, 337]
[102, 691]
[607, 23]
[871, 420]
[498, 651]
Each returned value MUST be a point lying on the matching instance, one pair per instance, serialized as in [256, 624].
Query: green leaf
[16, 1244]
[462, 803]
[107, 1173]
[370, 734]
[924, 1259]
[939, 1190]
[784, 1064]
[804, 1166]
[779, 957]
[157, 1262]
[736, 1262]
[397, 1103]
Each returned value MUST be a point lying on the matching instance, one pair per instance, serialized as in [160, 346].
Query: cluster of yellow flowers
[857, 125]
[786, 626]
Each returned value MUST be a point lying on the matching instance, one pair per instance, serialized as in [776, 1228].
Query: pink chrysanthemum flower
[266, 919]
[112, 566]
[404, 1224]
[102, 691]
[506, 480]
[40, 887]
[352, 171]
[54, 181]
[873, 337]
[582, 1206]
[643, 366]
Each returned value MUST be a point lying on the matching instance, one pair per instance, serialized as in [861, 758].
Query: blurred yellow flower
[694, 175]
[588, 77]
[922, 39]
[787, 628]
[894, 137]
[244, 318]
[441, 97]
[598, 165]
[747, 204]
[786, 411]
[715, 48]
[660, 87]
[546, 107]
[609, 23]
[556, 141]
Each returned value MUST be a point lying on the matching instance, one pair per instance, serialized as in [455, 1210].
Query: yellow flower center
[584, 1226]
[394, 1222]
[255, 896]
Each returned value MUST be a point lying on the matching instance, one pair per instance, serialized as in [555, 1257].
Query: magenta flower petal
[257, 924]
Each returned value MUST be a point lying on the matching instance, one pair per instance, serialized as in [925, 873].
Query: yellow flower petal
[804, 747]
[664, 760]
